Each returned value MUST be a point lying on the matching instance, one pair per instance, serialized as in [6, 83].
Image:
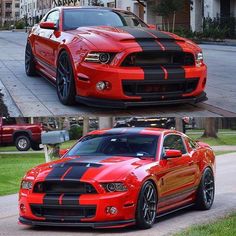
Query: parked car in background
[119, 177]
[23, 136]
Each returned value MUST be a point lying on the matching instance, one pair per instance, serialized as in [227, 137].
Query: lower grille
[63, 212]
[150, 89]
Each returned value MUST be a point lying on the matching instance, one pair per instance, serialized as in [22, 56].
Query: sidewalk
[224, 148]
[226, 42]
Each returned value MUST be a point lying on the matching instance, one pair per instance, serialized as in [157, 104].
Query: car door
[178, 174]
[47, 43]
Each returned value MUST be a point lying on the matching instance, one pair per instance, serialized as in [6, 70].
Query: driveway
[37, 97]
[225, 202]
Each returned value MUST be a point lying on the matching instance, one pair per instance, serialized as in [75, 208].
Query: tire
[36, 146]
[146, 210]
[65, 80]
[29, 61]
[206, 191]
[23, 143]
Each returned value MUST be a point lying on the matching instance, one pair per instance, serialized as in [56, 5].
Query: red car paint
[176, 181]
[9, 131]
[136, 85]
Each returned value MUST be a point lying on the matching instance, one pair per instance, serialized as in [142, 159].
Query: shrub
[20, 24]
[75, 132]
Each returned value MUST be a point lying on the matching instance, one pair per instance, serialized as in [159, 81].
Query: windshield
[75, 18]
[131, 145]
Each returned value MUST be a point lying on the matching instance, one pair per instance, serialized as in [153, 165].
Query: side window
[174, 142]
[192, 144]
[53, 17]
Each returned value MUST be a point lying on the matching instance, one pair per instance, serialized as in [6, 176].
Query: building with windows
[9, 12]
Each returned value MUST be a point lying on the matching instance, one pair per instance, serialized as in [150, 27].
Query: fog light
[111, 210]
[22, 208]
[103, 85]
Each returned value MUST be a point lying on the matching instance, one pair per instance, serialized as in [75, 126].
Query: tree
[166, 9]
[97, 3]
[210, 128]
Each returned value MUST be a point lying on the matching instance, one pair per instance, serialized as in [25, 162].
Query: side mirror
[170, 154]
[63, 152]
[48, 25]
[152, 27]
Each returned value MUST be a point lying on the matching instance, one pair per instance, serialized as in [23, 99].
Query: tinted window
[53, 17]
[75, 18]
[116, 144]
[174, 142]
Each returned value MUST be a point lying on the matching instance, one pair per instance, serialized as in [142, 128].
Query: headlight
[114, 187]
[199, 59]
[26, 184]
[99, 57]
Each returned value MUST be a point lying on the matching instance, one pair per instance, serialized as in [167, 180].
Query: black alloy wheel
[147, 206]
[206, 191]
[65, 80]
[29, 61]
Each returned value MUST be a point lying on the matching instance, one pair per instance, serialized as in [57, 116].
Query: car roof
[135, 130]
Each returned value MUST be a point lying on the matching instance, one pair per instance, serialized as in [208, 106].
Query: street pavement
[225, 203]
[37, 97]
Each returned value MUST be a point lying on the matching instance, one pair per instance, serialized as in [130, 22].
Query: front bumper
[95, 102]
[109, 224]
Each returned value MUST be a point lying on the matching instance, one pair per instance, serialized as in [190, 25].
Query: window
[192, 144]
[132, 145]
[8, 121]
[17, 5]
[53, 17]
[174, 142]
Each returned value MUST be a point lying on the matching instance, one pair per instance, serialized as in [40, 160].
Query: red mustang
[119, 177]
[110, 58]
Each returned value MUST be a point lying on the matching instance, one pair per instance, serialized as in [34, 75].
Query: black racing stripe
[176, 72]
[51, 199]
[58, 170]
[156, 73]
[166, 40]
[69, 199]
[143, 38]
[171, 45]
[76, 173]
[159, 34]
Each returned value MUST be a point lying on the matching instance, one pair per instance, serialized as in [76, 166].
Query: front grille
[147, 59]
[59, 212]
[156, 89]
[63, 187]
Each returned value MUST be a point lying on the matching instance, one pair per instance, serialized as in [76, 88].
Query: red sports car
[110, 58]
[119, 177]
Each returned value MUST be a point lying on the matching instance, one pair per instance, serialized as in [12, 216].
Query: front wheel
[22, 143]
[29, 61]
[206, 191]
[147, 206]
[65, 80]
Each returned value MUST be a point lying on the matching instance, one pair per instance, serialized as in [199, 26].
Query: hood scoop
[78, 164]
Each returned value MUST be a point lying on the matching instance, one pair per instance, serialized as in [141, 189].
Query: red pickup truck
[23, 136]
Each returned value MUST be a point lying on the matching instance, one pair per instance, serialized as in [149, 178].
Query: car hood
[104, 37]
[87, 168]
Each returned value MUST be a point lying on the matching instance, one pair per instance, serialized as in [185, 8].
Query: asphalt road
[37, 97]
[225, 202]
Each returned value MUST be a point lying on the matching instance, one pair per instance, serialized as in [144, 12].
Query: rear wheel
[147, 206]
[206, 191]
[65, 80]
[29, 61]
[36, 146]
[22, 143]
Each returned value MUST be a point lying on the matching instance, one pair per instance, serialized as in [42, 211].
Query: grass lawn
[223, 152]
[13, 168]
[222, 227]
[223, 139]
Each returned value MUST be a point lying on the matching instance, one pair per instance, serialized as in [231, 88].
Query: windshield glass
[132, 145]
[75, 18]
